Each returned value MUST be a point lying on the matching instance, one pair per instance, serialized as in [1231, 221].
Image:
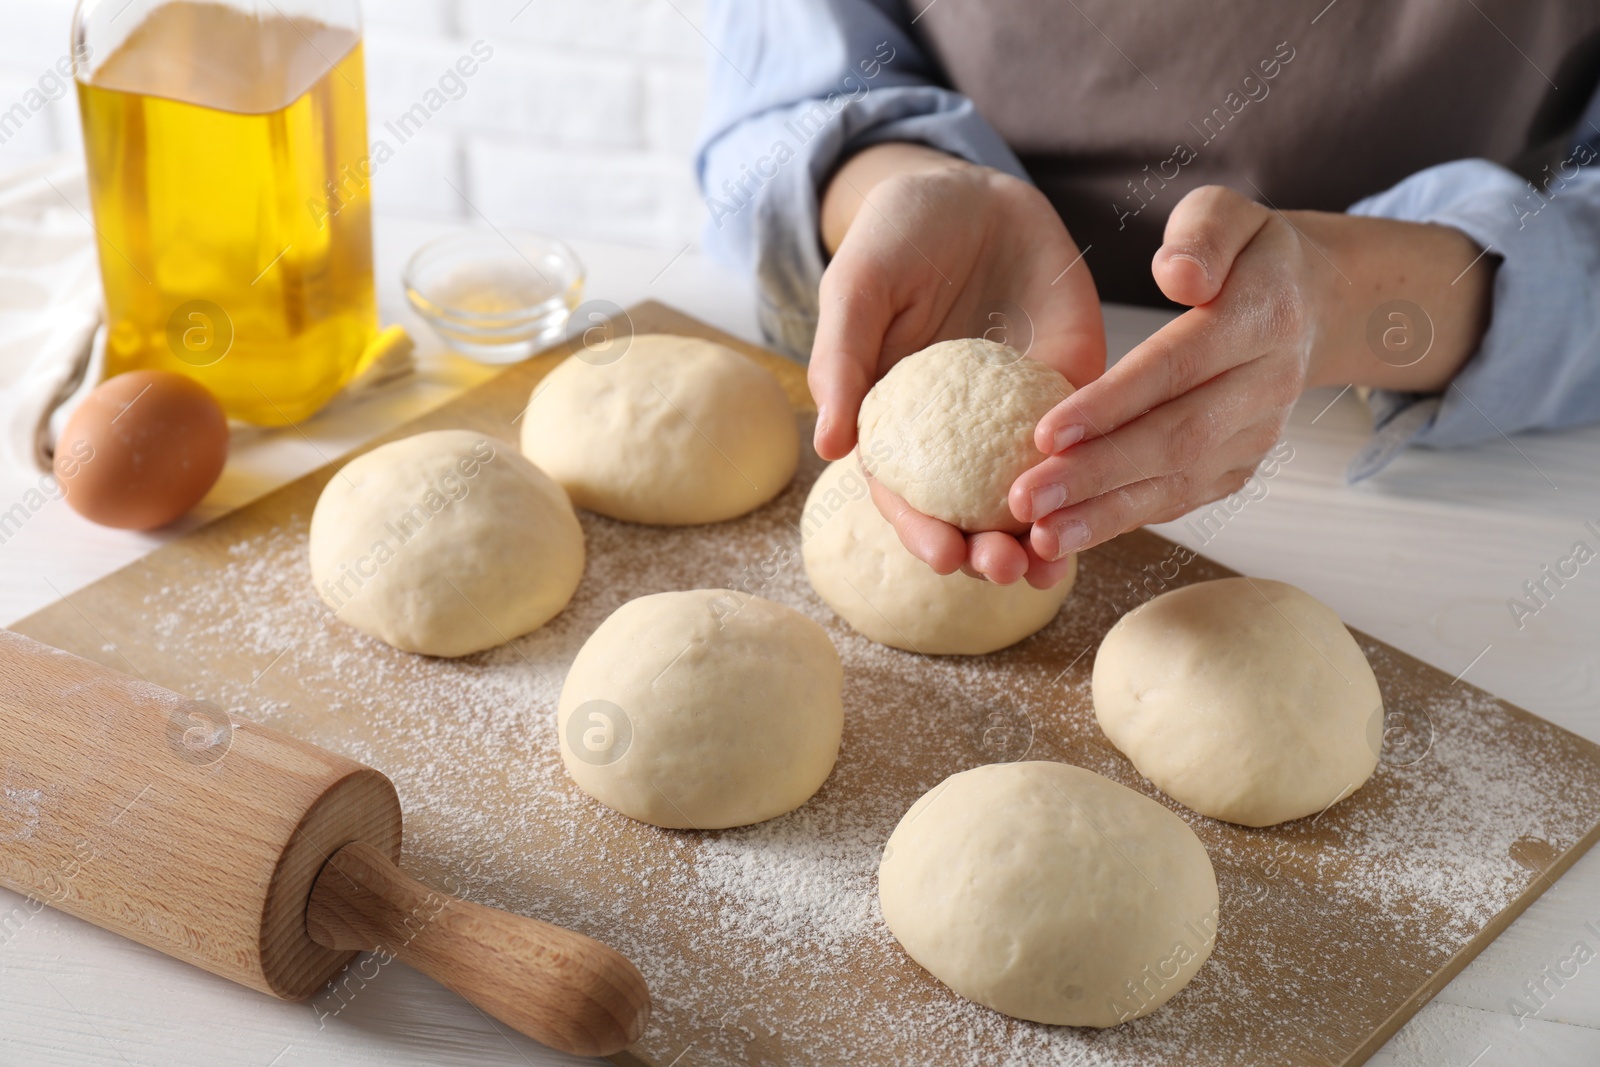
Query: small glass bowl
[495, 297]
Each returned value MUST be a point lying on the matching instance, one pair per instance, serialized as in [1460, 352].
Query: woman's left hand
[1185, 417]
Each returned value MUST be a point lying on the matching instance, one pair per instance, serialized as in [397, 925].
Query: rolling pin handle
[557, 986]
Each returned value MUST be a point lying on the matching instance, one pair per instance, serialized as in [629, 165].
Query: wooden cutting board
[764, 945]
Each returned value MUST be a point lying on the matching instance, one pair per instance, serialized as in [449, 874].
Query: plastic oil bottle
[227, 161]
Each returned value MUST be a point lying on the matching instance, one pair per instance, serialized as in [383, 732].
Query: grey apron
[1118, 108]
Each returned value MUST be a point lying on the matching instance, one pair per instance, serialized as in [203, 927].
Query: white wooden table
[1424, 557]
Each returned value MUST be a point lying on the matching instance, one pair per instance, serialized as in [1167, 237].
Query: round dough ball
[1049, 893]
[445, 543]
[857, 564]
[703, 709]
[1244, 699]
[951, 428]
[677, 431]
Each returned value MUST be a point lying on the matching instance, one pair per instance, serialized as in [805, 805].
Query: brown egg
[142, 449]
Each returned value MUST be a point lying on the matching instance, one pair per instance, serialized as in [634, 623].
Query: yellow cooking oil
[227, 166]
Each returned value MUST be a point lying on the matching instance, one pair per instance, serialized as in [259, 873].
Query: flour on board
[766, 941]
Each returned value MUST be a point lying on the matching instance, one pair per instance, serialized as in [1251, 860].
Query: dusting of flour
[765, 944]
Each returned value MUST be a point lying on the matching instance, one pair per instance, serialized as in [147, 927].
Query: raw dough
[702, 709]
[444, 543]
[953, 425]
[857, 564]
[1245, 699]
[677, 431]
[1047, 892]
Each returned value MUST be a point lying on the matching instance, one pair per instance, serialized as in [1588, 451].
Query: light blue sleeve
[1539, 364]
[795, 87]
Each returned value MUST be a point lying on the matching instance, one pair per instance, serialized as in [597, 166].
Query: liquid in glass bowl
[495, 297]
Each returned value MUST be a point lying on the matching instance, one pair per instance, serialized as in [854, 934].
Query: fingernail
[1045, 500]
[1070, 536]
[1067, 438]
[1192, 259]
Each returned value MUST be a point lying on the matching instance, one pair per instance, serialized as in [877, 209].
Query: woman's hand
[930, 248]
[1278, 303]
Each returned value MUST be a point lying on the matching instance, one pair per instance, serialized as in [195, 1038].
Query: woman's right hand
[929, 248]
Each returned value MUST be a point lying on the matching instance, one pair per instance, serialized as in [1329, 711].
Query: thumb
[1205, 234]
[853, 316]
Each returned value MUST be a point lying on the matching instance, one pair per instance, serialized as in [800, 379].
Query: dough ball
[1049, 893]
[1244, 699]
[678, 431]
[702, 710]
[857, 564]
[951, 428]
[444, 543]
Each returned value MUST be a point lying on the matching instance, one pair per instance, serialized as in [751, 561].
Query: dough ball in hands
[702, 709]
[445, 543]
[857, 564]
[1049, 893]
[677, 431]
[950, 428]
[1244, 699]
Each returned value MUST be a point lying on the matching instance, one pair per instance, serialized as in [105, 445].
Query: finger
[1045, 573]
[1187, 352]
[998, 557]
[1205, 234]
[1060, 316]
[1078, 351]
[938, 544]
[1071, 335]
[1082, 526]
[1173, 437]
[1094, 521]
[1224, 485]
[853, 315]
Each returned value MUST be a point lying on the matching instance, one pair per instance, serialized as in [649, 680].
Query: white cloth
[51, 343]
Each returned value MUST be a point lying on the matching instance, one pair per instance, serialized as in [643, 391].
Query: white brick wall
[580, 124]
[33, 38]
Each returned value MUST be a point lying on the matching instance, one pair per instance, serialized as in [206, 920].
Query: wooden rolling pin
[263, 859]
